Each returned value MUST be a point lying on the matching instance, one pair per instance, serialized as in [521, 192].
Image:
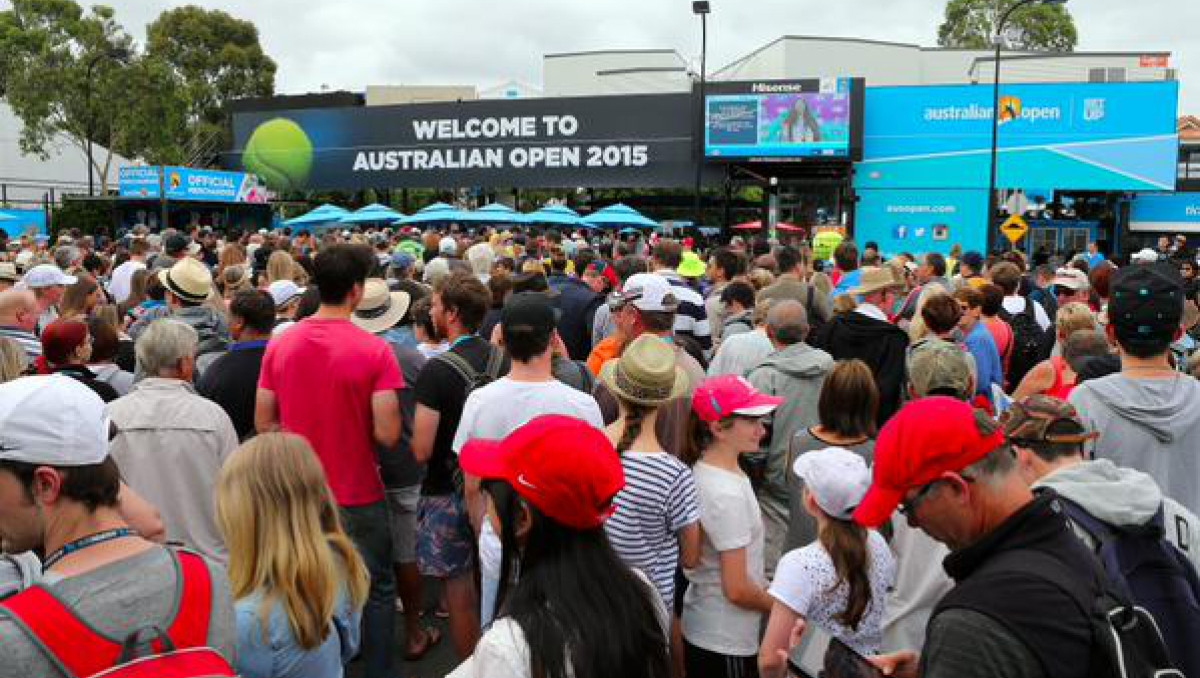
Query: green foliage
[217, 57]
[88, 216]
[75, 74]
[970, 24]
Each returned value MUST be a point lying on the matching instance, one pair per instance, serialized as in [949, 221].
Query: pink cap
[721, 397]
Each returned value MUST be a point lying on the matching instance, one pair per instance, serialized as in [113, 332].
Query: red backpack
[80, 652]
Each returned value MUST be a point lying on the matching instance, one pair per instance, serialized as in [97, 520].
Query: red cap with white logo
[564, 466]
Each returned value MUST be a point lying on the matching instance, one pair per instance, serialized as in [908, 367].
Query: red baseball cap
[725, 396]
[927, 438]
[565, 467]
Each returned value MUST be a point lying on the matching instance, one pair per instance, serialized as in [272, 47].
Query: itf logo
[1093, 110]
[1010, 109]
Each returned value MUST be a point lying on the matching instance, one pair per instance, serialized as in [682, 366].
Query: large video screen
[791, 119]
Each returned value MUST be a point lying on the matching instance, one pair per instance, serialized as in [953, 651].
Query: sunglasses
[909, 507]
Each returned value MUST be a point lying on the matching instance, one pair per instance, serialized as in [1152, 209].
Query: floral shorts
[445, 541]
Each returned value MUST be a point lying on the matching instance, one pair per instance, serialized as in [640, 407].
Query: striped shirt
[658, 500]
[27, 340]
[691, 318]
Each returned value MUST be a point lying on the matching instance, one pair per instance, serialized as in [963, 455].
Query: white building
[881, 63]
[511, 89]
[29, 181]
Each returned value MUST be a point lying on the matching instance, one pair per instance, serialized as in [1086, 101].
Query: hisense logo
[775, 88]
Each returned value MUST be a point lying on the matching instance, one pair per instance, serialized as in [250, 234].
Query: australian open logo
[1093, 109]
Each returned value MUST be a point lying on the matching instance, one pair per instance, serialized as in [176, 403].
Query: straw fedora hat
[380, 308]
[645, 373]
[875, 279]
[188, 279]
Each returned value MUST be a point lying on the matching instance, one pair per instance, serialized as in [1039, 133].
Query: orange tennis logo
[1010, 109]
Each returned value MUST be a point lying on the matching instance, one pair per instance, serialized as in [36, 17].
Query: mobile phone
[821, 656]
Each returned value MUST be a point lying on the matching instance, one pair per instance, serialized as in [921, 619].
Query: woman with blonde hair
[280, 266]
[1054, 377]
[13, 361]
[298, 583]
[80, 299]
[232, 254]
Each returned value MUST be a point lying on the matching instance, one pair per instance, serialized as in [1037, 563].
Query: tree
[970, 24]
[218, 58]
[76, 75]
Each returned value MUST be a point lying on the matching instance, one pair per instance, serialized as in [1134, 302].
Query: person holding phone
[838, 583]
[724, 604]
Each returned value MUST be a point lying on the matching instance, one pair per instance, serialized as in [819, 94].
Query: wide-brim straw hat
[188, 279]
[645, 373]
[875, 279]
[380, 308]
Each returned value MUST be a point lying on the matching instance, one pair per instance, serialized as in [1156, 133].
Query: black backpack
[472, 379]
[1126, 640]
[1150, 571]
[1028, 342]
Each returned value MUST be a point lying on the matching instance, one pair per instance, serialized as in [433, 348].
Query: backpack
[1149, 570]
[574, 373]
[815, 321]
[1027, 343]
[80, 652]
[1126, 641]
[472, 379]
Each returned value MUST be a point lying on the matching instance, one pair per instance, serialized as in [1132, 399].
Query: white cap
[837, 478]
[1072, 278]
[47, 275]
[649, 292]
[1146, 256]
[448, 245]
[53, 420]
[283, 292]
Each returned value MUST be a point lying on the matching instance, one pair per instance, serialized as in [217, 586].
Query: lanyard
[84, 542]
[248, 345]
[465, 337]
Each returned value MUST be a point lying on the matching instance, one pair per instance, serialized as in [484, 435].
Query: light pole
[119, 54]
[702, 9]
[997, 40]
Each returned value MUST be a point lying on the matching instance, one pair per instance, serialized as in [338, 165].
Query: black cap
[176, 244]
[529, 312]
[1146, 302]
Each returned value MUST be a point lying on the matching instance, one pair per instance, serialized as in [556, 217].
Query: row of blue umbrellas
[613, 216]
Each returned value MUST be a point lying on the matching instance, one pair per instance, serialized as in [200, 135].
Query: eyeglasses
[908, 508]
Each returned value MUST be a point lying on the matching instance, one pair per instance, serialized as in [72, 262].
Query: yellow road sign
[1014, 228]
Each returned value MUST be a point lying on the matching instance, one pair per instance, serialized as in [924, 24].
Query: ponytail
[635, 416]
[846, 543]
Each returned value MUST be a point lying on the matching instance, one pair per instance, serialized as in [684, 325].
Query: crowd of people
[615, 456]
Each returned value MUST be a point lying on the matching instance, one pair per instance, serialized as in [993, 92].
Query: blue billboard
[186, 183]
[18, 222]
[922, 221]
[1173, 212]
[1104, 137]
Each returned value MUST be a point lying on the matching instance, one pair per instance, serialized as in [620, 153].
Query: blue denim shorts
[445, 540]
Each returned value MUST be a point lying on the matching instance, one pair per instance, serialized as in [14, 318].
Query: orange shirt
[607, 350]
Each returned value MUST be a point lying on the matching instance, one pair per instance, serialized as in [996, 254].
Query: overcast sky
[348, 44]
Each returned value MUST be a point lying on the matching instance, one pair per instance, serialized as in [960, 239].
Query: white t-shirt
[503, 406]
[805, 581]
[1015, 305]
[498, 409]
[122, 277]
[731, 520]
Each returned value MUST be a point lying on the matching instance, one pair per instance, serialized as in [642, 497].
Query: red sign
[1153, 61]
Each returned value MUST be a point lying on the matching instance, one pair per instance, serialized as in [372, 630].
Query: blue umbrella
[370, 214]
[558, 215]
[494, 213]
[617, 215]
[323, 214]
[438, 211]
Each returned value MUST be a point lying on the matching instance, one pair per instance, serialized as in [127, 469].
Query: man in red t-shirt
[335, 384]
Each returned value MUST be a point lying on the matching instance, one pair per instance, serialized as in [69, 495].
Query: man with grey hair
[795, 372]
[481, 256]
[171, 442]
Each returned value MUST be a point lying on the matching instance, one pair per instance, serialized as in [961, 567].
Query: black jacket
[88, 378]
[1036, 612]
[881, 345]
[578, 303]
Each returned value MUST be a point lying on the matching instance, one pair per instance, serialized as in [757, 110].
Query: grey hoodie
[1152, 425]
[1124, 497]
[796, 374]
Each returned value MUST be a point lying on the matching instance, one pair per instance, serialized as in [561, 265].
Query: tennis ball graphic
[280, 153]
